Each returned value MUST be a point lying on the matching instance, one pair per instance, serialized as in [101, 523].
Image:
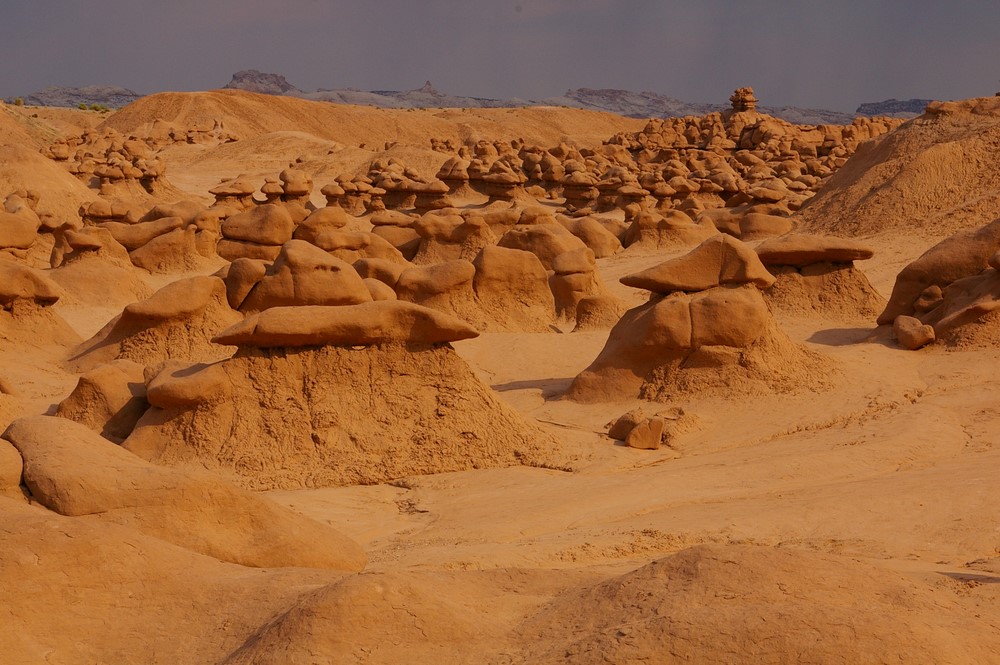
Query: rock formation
[816, 274]
[320, 396]
[706, 328]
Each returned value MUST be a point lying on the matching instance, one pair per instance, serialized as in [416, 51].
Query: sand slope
[933, 176]
[249, 114]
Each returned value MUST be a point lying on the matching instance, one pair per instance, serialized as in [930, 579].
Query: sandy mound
[248, 114]
[14, 129]
[381, 618]
[30, 325]
[73, 471]
[934, 175]
[178, 321]
[123, 597]
[59, 192]
[828, 289]
[719, 604]
[315, 417]
[101, 277]
[983, 332]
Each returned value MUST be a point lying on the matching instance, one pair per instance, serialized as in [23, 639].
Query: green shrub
[18, 101]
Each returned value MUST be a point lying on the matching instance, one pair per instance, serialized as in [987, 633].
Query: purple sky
[830, 54]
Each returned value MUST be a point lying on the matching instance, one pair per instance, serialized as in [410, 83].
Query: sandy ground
[894, 463]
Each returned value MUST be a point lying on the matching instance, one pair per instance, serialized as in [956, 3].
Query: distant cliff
[622, 102]
[106, 95]
[895, 107]
[252, 80]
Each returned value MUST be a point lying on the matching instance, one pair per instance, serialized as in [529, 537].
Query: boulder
[912, 333]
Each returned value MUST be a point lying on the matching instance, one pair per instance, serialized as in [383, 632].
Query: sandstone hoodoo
[320, 396]
[178, 321]
[706, 328]
[26, 312]
[817, 275]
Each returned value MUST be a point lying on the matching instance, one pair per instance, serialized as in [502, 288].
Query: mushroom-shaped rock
[186, 210]
[370, 323]
[512, 289]
[21, 283]
[755, 225]
[175, 322]
[240, 277]
[546, 241]
[387, 272]
[236, 193]
[134, 236]
[574, 277]
[350, 246]
[598, 312]
[447, 237]
[178, 383]
[717, 261]
[593, 234]
[669, 228]
[720, 339]
[446, 287]
[334, 194]
[295, 183]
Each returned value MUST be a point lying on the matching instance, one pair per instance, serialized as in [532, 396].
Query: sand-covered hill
[249, 114]
[936, 174]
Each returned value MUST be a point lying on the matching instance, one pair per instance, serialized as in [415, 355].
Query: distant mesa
[253, 80]
[623, 102]
[111, 96]
[906, 108]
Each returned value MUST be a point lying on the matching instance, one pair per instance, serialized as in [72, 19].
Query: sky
[830, 54]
